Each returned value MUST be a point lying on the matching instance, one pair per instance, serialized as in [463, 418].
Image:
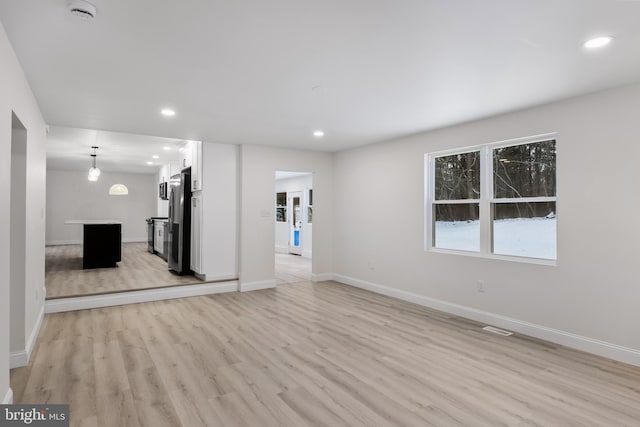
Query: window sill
[538, 261]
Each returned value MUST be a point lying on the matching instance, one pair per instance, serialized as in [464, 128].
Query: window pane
[525, 229]
[457, 177]
[457, 226]
[527, 170]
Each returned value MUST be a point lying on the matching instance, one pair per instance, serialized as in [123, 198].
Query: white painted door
[295, 222]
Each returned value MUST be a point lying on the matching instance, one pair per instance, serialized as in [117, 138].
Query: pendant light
[118, 190]
[94, 172]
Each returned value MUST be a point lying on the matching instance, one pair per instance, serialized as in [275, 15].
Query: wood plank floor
[313, 355]
[292, 269]
[139, 269]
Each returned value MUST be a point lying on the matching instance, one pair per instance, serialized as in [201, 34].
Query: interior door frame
[293, 249]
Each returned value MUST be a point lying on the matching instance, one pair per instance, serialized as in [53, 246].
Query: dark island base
[102, 245]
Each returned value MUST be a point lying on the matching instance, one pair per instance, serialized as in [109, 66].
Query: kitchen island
[101, 242]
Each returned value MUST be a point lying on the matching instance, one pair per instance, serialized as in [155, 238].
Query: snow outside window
[496, 200]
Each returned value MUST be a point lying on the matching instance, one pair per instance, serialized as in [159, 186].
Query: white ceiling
[70, 149]
[271, 72]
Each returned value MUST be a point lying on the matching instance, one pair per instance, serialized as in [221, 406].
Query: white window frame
[485, 201]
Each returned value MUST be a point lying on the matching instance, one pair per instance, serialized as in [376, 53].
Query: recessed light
[318, 133]
[166, 147]
[155, 157]
[168, 112]
[149, 163]
[598, 42]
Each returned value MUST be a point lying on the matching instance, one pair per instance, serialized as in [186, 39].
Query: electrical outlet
[481, 286]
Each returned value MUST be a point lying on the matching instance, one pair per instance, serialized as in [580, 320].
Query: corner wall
[257, 216]
[590, 297]
[16, 96]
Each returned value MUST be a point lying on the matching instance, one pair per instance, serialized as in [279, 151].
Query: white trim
[282, 249]
[218, 278]
[134, 297]
[79, 242]
[62, 242]
[8, 397]
[18, 359]
[568, 339]
[322, 277]
[134, 240]
[307, 254]
[255, 286]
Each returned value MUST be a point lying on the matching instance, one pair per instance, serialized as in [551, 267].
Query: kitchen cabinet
[191, 157]
[196, 165]
[196, 233]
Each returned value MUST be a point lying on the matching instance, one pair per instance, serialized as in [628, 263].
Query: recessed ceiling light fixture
[598, 42]
[149, 163]
[155, 157]
[168, 112]
[166, 147]
[82, 9]
[318, 133]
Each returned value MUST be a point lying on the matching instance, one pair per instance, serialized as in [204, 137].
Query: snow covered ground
[525, 237]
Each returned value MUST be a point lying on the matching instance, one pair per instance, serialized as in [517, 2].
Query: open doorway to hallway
[293, 226]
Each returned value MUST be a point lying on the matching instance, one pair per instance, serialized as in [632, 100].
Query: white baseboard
[134, 240]
[18, 359]
[79, 242]
[306, 254]
[578, 342]
[282, 249]
[323, 277]
[217, 278]
[62, 242]
[8, 398]
[134, 297]
[255, 286]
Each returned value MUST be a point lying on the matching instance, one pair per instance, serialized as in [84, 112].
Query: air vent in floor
[497, 331]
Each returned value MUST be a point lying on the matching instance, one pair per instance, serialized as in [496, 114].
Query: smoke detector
[82, 9]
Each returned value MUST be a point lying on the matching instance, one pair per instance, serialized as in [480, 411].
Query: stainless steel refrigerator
[180, 222]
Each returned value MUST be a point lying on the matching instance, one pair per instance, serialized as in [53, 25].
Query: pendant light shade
[118, 190]
[94, 172]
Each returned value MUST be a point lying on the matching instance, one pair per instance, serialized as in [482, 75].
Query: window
[310, 208]
[281, 207]
[494, 200]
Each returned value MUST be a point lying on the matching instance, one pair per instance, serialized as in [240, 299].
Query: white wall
[162, 206]
[282, 230]
[593, 291]
[219, 231]
[70, 195]
[16, 96]
[257, 237]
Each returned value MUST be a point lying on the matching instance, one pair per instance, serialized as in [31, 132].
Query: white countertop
[92, 221]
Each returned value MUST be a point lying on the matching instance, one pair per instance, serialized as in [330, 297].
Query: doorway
[17, 236]
[295, 222]
[293, 226]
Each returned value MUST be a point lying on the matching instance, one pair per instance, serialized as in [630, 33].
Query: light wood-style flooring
[139, 269]
[292, 268]
[313, 355]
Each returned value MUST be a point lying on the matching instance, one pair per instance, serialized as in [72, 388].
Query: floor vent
[497, 331]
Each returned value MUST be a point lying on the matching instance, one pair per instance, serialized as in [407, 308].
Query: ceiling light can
[598, 42]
